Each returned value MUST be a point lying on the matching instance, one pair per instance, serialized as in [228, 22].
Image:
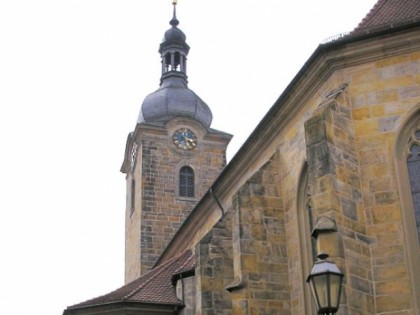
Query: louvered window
[186, 182]
[133, 196]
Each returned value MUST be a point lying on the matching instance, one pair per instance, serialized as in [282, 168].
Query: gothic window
[408, 175]
[413, 168]
[186, 182]
[307, 243]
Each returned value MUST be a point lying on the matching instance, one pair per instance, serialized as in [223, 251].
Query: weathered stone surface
[214, 270]
[392, 303]
[264, 253]
[159, 210]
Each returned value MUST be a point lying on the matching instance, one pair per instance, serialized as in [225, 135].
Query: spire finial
[174, 22]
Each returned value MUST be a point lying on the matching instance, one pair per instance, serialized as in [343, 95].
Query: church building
[330, 176]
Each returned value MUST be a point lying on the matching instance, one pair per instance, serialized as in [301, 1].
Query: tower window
[186, 182]
[133, 196]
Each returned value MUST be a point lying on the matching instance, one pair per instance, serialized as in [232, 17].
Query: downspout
[211, 191]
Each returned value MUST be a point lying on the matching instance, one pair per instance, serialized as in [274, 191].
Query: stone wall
[159, 209]
[132, 220]
[385, 92]
[185, 291]
[214, 269]
[346, 133]
[334, 186]
[261, 283]
[162, 211]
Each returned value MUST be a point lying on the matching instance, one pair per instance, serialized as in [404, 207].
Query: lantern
[325, 281]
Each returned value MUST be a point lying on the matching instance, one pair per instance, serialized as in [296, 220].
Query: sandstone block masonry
[334, 162]
[159, 209]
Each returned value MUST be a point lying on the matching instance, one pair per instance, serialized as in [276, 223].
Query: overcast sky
[73, 75]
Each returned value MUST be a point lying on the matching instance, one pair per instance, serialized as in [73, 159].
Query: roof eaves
[128, 292]
[70, 309]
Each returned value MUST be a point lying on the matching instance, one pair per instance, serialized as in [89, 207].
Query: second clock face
[185, 139]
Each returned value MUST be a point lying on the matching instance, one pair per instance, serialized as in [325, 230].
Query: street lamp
[325, 282]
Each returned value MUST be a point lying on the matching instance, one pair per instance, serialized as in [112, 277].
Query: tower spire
[174, 98]
[174, 22]
[174, 51]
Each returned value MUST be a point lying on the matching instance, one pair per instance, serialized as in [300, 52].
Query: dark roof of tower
[387, 14]
[154, 287]
[174, 98]
[174, 33]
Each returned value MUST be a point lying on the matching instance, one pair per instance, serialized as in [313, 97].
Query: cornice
[125, 167]
[135, 136]
[219, 136]
[325, 60]
[148, 129]
[209, 135]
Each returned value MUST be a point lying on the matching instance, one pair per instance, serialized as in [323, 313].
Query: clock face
[184, 139]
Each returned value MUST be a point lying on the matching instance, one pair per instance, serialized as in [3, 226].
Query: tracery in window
[307, 243]
[186, 182]
[413, 168]
[407, 154]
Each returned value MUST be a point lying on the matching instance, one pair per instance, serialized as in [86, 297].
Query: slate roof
[174, 99]
[154, 287]
[387, 14]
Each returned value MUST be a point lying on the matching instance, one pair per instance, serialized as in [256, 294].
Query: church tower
[171, 158]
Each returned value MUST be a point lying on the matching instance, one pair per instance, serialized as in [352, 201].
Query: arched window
[413, 168]
[186, 182]
[307, 243]
[407, 155]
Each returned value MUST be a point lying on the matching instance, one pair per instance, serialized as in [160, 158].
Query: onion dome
[174, 33]
[174, 98]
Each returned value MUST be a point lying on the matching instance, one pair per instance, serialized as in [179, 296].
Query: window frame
[188, 186]
[305, 239]
[132, 196]
[402, 145]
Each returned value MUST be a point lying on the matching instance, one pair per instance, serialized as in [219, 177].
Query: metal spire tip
[174, 22]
